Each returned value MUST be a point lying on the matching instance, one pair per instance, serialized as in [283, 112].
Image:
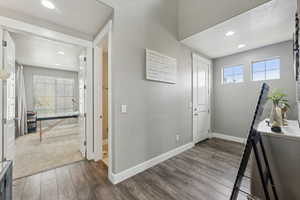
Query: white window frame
[222, 74]
[264, 60]
[55, 88]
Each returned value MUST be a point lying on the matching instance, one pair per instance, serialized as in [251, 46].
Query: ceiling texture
[267, 24]
[80, 18]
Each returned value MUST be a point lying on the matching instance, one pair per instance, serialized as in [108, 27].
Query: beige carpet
[60, 146]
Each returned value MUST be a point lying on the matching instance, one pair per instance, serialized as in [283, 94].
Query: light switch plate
[123, 108]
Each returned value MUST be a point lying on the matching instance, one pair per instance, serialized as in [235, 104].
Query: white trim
[1, 101]
[110, 132]
[228, 137]
[265, 71]
[89, 106]
[208, 62]
[98, 92]
[58, 67]
[222, 74]
[106, 31]
[117, 178]
[43, 32]
[15, 25]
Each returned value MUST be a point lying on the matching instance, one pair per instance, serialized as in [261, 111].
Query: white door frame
[19, 26]
[209, 62]
[105, 32]
[1, 103]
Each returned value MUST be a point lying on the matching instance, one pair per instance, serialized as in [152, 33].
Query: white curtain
[21, 108]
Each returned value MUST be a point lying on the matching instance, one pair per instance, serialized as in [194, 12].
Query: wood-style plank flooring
[205, 172]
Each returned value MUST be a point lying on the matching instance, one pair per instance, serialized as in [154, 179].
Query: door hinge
[84, 115]
[84, 59]
[84, 143]
[84, 87]
[4, 43]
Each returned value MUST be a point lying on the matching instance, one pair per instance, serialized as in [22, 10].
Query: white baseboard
[117, 178]
[228, 137]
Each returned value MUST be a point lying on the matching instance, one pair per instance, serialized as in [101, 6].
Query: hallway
[205, 172]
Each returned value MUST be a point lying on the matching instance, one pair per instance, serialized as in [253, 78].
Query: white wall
[197, 15]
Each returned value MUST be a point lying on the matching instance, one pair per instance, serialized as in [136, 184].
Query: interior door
[201, 100]
[9, 96]
[81, 102]
[98, 108]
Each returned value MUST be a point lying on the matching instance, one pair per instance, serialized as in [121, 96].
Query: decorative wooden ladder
[254, 139]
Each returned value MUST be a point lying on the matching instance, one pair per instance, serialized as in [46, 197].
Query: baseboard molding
[228, 137]
[117, 178]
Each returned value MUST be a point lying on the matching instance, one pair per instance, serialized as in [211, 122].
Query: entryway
[201, 98]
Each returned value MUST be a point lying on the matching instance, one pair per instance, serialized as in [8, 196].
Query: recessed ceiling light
[241, 46]
[230, 33]
[61, 53]
[48, 4]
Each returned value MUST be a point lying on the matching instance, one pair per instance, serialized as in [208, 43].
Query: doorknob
[196, 114]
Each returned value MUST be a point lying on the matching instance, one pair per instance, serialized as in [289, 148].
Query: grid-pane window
[53, 95]
[234, 74]
[266, 70]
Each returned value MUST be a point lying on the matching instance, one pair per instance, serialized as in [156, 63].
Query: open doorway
[47, 95]
[105, 101]
[102, 91]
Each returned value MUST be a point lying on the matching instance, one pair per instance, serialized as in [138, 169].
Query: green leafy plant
[279, 99]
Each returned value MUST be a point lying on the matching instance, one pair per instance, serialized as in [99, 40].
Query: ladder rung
[249, 195]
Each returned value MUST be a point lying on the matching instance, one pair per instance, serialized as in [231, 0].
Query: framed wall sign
[160, 67]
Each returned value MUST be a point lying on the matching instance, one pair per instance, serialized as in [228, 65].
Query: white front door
[201, 99]
[81, 102]
[9, 96]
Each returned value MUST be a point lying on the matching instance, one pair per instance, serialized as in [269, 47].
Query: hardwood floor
[205, 172]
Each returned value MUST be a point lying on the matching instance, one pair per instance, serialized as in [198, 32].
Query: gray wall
[234, 104]
[156, 111]
[197, 15]
[30, 71]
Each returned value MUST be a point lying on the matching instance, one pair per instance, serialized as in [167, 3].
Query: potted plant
[280, 106]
